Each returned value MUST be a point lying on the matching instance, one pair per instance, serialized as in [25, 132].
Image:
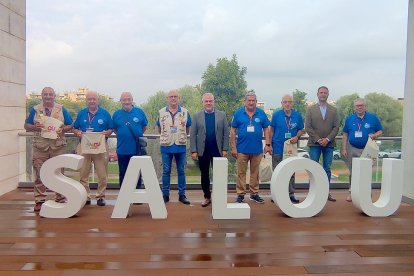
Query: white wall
[12, 90]
[408, 126]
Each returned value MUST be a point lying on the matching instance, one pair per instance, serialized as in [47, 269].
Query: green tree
[345, 106]
[299, 98]
[226, 80]
[151, 108]
[110, 105]
[190, 98]
[388, 110]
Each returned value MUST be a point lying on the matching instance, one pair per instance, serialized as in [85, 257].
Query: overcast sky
[146, 46]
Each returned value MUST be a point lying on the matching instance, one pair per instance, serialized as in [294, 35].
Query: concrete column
[408, 126]
[13, 90]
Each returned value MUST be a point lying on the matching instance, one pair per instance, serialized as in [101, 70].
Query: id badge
[173, 129]
[288, 135]
[250, 128]
[358, 134]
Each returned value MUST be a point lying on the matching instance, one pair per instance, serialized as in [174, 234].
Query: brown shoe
[38, 206]
[206, 202]
[330, 198]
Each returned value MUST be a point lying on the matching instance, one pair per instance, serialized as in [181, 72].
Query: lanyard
[288, 123]
[90, 119]
[360, 123]
[47, 111]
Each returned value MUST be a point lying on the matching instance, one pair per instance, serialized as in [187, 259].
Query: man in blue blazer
[209, 137]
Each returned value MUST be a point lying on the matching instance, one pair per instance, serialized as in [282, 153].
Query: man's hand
[77, 133]
[194, 156]
[344, 152]
[323, 142]
[234, 152]
[294, 139]
[224, 153]
[268, 149]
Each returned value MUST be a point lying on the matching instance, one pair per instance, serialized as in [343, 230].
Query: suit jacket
[198, 132]
[318, 128]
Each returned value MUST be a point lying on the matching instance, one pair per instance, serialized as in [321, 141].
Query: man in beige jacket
[322, 125]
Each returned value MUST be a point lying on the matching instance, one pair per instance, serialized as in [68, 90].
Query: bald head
[92, 100]
[126, 101]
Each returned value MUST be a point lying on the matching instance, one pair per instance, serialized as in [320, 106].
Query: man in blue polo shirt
[130, 123]
[173, 123]
[358, 127]
[249, 123]
[286, 124]
[96, 119]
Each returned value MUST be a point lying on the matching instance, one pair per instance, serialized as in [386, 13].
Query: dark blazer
[318, 128]
[198, 132]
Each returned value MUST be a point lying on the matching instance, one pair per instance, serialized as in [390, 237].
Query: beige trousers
[40, 157]
[242, 161]
[100, 162]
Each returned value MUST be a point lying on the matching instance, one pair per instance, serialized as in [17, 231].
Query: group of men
[210, 136]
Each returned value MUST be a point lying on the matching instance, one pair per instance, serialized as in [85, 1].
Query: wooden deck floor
[340, 241]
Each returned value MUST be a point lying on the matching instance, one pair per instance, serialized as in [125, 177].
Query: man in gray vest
[209, 137]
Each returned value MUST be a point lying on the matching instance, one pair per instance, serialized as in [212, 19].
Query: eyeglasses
[172, 96]
[285, 102]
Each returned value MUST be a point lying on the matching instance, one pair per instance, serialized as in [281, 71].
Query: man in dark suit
[322, 125]
[209, 137]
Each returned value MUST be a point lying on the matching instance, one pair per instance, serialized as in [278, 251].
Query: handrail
[157, 136]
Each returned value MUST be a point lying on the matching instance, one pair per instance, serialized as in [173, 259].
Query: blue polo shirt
[175, 148]
[249, 141]
[367, 125]
[66, 116]
[99, 121]
[136, 118]
[283, 124]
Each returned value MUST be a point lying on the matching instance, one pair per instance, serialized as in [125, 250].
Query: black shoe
[330, 198]
[293, 199]
[256, 198]
[183, 199]
[240, 199]
[206, 202]
[88, 202]
[166, 198]
[101, 202]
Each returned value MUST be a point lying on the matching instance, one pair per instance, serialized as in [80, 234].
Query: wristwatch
[268, 145]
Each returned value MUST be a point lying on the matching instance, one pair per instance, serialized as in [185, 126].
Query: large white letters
[318, 187]
[52, 177]
[151, 194]
[220, 208]
[391, 186]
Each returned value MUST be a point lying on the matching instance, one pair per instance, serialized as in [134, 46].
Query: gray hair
[250, 94]
[359, 99]
[126, 94]
[207, 94]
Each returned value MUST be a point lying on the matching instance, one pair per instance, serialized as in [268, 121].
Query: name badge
[250, 128]
[288, 135]
[173, 129]
[358, 134]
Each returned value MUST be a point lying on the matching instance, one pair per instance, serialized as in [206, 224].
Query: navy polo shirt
[125, 142]
[367, 125]
[283, 124]
[249, 142]
[99, 121]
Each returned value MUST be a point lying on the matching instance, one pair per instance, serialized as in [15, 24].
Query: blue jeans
[327, 155]
[123, 162]
[180, 159]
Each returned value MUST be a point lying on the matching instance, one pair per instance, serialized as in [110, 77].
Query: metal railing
[340, 173]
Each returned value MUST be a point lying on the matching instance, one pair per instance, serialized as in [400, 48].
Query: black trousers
[204, 163]
[123, 162]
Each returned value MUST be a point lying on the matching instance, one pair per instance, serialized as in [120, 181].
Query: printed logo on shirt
[257, 120]
[293, 125]
[100, 121]
[367, 125]
[135, 119]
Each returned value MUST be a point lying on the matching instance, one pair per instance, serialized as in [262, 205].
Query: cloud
[144, 46]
